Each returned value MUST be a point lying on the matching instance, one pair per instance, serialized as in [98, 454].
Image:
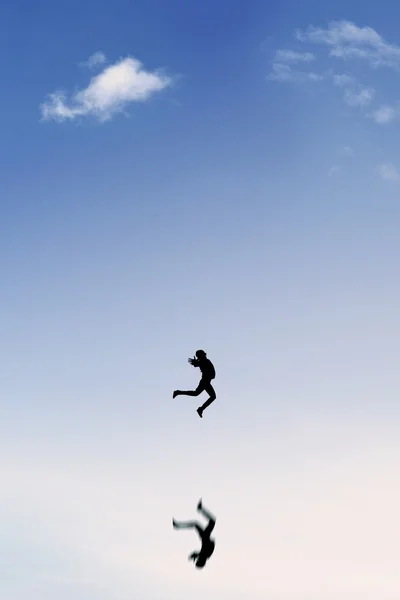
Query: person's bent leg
[210, 390]
[200, 388]
[206, 513]
[188, 525]
[209, 516]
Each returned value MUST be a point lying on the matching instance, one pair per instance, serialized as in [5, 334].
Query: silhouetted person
[207, 544]
[207, 374]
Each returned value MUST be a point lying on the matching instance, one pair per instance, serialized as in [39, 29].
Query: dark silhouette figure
[207, 544]
[207, 374]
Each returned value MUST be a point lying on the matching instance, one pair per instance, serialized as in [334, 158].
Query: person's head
[200, 562]
[201, 354]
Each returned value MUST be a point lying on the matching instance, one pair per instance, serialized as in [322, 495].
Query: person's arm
[194, 555]
[194, 362]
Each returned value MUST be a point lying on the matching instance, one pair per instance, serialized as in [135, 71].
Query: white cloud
[388, 171]
[384, 114]
[347, 40]
[95, 60]
[285, 73]
[360, 98]
[289, 56]
[107, 93]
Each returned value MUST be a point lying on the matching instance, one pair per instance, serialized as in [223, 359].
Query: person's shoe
[200, 412]
[174, 395]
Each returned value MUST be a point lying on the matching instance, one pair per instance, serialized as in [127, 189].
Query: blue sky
[181, 175]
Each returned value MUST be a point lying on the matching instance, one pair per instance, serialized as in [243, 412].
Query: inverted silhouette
[207, 544]
[207, 374]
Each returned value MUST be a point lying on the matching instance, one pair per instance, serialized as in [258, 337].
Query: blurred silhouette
[207, 544]
[207, 374]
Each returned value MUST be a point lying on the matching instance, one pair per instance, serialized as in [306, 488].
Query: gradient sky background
[247, 204]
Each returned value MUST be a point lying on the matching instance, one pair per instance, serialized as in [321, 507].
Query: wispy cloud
[384, 114]
[282, 67]
[108, 93]
[346, 40]
[342, 80]
[334, 170]
[354, 94]
[289, 56]
[347, 151]
[362, 97]
[388, 171]
[95, 60]
[285, 73]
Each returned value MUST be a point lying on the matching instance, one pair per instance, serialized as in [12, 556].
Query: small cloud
[107, 93]
[388, 171]
[288, 56]
[347, 151]
[384, 114]
[342, 80]
[334, 170]
[361, 98]
[282, 69]
[354, 94]
[97, 59]
[346, 40]
[285, 73]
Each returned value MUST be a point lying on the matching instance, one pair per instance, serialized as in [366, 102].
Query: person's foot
[176, 392]
[200, 412]
[174, 523]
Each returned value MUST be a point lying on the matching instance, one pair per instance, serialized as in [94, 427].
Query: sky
[182, 175]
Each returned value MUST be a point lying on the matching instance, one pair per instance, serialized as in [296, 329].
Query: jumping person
[207, 374]
[207, 544]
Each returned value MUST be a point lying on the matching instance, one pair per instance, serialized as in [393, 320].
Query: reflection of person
[207, 374]
[207, 544]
